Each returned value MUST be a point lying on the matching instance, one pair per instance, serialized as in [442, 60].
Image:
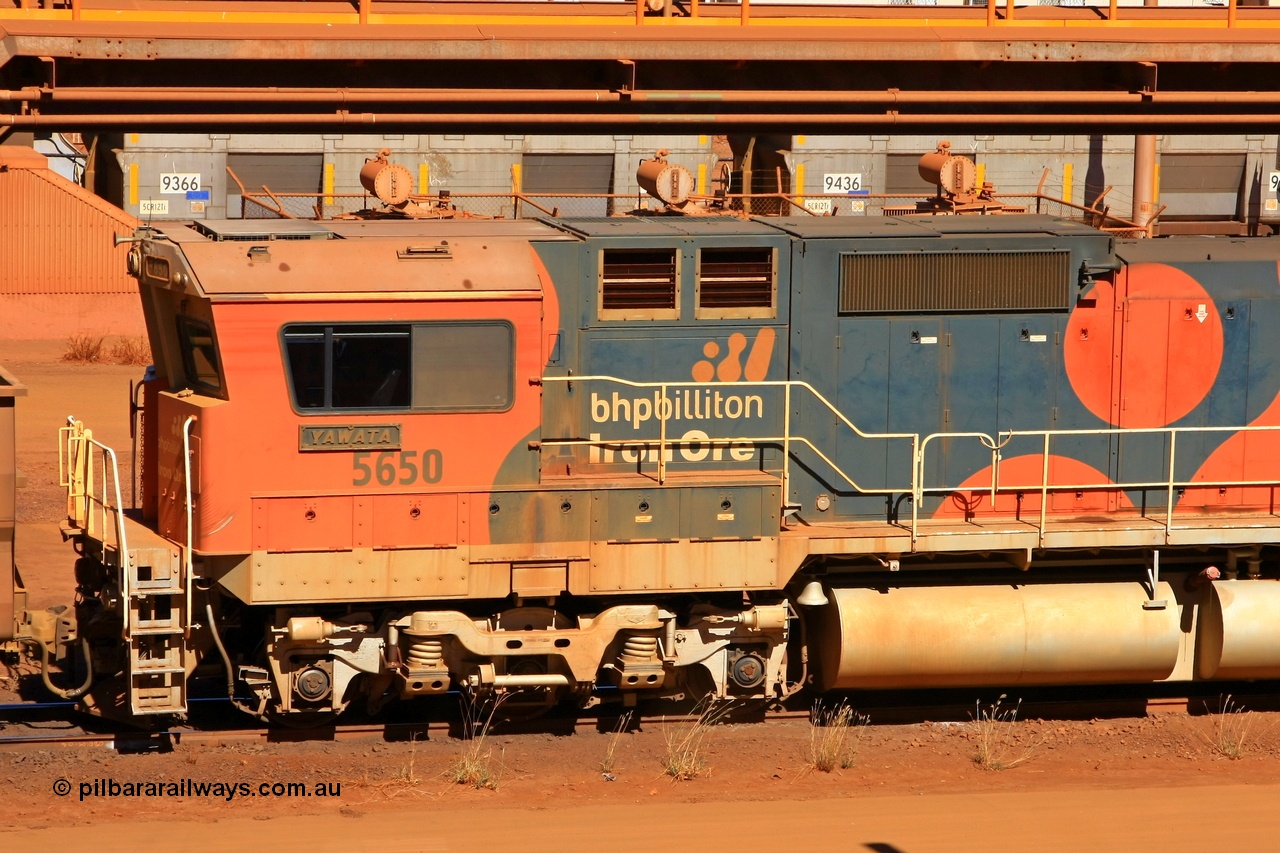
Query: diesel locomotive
[725, 456]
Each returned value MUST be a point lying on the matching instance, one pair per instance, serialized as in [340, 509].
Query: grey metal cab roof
[665, 226]
[1194, 249]
[833, 227]
[281, 230]
[508, 229]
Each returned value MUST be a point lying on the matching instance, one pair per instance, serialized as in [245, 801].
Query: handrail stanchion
[122, 542]
[662, 434]
[1168, 509]
[1044, 488]
[86, 484]
[187, 565]
[917, 486]
[995, 474]
[786, 446]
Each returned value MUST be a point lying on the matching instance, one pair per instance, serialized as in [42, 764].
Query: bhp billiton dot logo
[731, 368]
[692, 404]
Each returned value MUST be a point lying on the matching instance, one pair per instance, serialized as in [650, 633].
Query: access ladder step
[158, 693]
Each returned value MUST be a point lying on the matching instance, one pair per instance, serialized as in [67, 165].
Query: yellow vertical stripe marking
[328, 183]
[800, 140]
[515, 177]
[424, 178]
[702, 139]
[133, 183]
[133, 139]
[1156, 191]
[800, 183]
[982, 174]
[702, 179]
[1067, 169]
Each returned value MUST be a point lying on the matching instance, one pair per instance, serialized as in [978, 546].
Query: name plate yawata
[349, 437]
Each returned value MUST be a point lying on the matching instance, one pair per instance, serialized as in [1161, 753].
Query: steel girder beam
[798, 79]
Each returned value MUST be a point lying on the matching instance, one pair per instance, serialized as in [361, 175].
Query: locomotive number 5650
[397, 466]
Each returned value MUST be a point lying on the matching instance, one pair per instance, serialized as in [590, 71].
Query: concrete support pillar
[1144, 178]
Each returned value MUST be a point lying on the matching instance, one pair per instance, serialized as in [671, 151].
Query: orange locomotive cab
[327, 416]
[344, 400]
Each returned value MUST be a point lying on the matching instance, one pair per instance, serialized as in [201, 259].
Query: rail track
[31, 724]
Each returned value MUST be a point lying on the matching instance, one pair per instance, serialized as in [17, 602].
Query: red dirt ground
[1137, 783]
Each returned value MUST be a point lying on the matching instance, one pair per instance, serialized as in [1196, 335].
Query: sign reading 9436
[842, 182]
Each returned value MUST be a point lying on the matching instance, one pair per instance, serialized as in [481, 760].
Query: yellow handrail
[88, 503]
[1169, 484]
[919, 486]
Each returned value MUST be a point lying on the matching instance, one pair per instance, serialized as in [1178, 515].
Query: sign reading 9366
[179, 183]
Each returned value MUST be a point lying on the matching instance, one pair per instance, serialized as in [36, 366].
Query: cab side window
[447, 366]
[199, 354]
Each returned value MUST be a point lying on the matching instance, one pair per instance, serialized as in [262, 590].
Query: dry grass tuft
[408, 775]
[834, 736]
[476, 766]
[131, 350]
[609, 762]
[404, 780]
[1232, 725]
[685, 757]
[85, 349]
[999, 747]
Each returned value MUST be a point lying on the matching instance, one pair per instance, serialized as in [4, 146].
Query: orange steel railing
[323, 204]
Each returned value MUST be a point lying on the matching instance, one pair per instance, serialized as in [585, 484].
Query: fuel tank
[1237, 634]
[907, 637]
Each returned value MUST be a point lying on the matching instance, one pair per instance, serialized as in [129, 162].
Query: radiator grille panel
[736, 278]
[955, 281]
[638, 279]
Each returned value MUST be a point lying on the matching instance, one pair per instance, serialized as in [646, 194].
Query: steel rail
[354, 731]
[396, 95]
[1157, 697]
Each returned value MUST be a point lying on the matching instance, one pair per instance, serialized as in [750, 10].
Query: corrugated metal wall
[56, 236]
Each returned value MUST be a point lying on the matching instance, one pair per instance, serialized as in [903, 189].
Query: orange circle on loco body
[1024, 474]
[1171, 350]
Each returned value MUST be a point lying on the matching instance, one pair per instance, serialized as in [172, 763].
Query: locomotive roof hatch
[249, 230]
[238, 259]
[1197, 249]
[826, 227]
[632, 227]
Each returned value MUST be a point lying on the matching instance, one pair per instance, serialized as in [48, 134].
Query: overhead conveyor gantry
[602, 67]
